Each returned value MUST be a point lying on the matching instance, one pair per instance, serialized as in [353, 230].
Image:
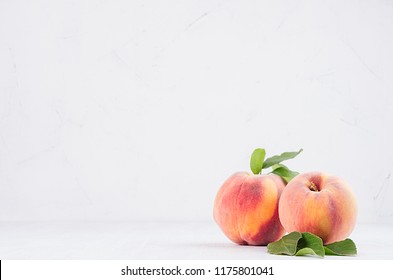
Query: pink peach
[246, 208]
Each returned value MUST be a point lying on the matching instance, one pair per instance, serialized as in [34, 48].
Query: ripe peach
[246, 208]
[318, 203]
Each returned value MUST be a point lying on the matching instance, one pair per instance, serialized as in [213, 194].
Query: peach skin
[246, 208]
[318, 203]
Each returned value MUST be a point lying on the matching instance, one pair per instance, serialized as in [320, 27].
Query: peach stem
[313, 187]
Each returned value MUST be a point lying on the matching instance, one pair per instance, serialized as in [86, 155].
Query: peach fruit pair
[256, 209]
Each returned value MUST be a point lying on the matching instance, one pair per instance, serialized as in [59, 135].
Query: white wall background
[139, 110]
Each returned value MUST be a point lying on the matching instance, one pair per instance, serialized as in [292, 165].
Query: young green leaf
[341, 248]
[287, 245]
[256, 162]
[277, 159]
[310, 244]
[284, 172]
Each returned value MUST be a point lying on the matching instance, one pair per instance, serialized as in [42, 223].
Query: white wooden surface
[156, 241]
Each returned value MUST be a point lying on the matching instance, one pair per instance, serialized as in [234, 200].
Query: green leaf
[306, 251]
[277, 159]
[341, 248]
[284, 172]
[256, 162]
[310, 244]
[287, 245]
[278, 165]
[300, 244]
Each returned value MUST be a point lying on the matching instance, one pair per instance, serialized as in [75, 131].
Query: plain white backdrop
[139, 110]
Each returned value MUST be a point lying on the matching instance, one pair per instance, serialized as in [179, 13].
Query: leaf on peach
[257, 158]
[284, 172]
[279, 158]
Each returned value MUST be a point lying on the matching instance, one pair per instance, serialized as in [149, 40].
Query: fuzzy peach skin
[246, 208]
[318, 203]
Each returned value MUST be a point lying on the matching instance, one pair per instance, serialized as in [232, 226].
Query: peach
[318, 203]
[246, 208]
